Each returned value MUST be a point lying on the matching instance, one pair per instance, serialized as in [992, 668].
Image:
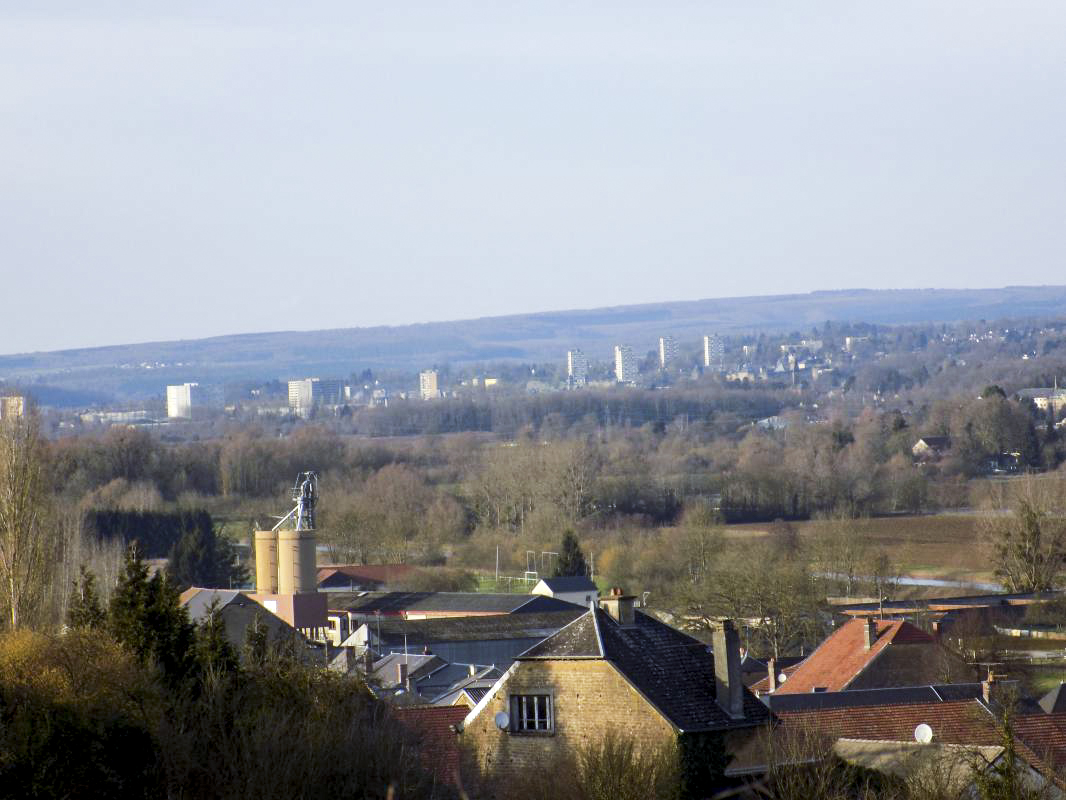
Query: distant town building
[115, 417]
[12, 406]
[713, 352]
[853, 343]
[625, 364]
[577, 368]
[181, 399]
[308, 393]
[1049, 397]
[428, 386]
[667, 351]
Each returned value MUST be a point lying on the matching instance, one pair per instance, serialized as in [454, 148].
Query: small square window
[532, 713]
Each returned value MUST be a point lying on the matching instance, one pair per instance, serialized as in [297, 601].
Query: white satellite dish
[503, 720]
[782, 678]
[923, 734]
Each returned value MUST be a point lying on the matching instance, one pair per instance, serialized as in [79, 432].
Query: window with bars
[532, 713]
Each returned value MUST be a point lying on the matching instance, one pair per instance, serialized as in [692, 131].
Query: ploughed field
[942, 546]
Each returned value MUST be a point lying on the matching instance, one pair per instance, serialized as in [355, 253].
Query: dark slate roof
[671, 669]
[472, 629]
[469, 602]
[570, 583]
[1055, 700]
[893, 696]
[854, 698]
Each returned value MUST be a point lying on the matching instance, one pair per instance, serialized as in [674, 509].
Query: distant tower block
[266, 562]
[297, 570]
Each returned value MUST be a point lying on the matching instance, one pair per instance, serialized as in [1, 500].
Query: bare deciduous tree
[26, 541]
[1028, 546]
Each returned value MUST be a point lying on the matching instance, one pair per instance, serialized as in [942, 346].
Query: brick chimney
[988, 686]
[729, 689]
[771, 671]
[619, 606]
[869, 634]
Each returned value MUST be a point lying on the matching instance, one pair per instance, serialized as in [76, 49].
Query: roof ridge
[596, 627]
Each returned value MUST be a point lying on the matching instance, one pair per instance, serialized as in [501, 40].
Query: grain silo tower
[286, 569]
[285, 561]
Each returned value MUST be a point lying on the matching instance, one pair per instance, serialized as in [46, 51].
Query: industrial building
[286, 569]
[182, 399]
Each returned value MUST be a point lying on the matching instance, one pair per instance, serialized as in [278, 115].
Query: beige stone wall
[591, 697]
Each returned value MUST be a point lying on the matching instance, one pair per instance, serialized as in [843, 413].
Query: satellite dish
[782, 678]
[503, 720]
[923, 734]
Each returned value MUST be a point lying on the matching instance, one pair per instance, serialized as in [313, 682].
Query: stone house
[614, 669]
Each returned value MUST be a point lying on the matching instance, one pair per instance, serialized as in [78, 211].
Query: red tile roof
[841, 657]
[370, 573]
[763, 684]
[439, 743]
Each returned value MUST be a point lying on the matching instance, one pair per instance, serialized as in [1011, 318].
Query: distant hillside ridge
[537, 337]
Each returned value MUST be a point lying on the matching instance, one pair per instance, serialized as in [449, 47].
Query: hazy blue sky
[190, 172]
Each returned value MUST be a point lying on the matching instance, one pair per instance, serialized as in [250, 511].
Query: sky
[182, 170]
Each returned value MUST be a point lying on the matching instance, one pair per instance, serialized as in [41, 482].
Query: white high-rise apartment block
[302, 396]
[181, 399]
[577, 367]
[713, 352]
[667, 351]
[428, 387]
[625, 364]
[307, 393]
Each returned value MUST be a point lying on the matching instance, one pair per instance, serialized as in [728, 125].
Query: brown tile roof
[1040, 738]
[434, 727]
[959, 722]
[841, 657]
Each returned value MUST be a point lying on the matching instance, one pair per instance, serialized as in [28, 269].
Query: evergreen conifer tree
[146, 617]
[85, 609]
[214, 653]
[571, 560]
[201, 558]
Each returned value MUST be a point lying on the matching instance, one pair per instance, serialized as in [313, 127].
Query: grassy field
[943, 546]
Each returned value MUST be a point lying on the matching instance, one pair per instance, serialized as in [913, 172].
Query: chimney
[869, 634]
[729, 689]
[473, 670]
[987, 687]
[619, 606]
[401, 674]
[368, 661]
[771, 670]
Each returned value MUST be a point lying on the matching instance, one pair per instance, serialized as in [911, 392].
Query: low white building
[572, 589]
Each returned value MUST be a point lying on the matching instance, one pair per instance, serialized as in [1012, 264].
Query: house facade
[613, 670]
